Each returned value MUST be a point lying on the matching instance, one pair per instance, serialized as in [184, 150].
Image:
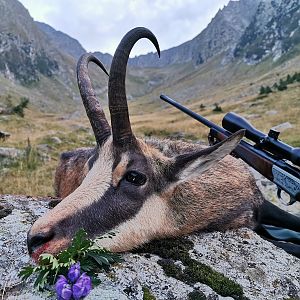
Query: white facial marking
[151, 222]
[92, 188]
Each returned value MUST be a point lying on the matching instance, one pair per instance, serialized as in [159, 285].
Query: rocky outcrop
[273, 31]
[62, 41]
[9, 155]
[24, 53]
[237, 264]
[21, 61]
[221, 35]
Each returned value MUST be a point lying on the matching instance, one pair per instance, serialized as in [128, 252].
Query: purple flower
[74, 272]
[63, 289]
[82, 287]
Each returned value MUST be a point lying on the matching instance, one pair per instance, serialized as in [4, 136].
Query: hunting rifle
[269, 156]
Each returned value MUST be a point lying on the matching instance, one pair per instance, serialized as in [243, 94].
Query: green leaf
[95, 281]
[92, 258]
[26, 272]
[41, 280]
[99, 259]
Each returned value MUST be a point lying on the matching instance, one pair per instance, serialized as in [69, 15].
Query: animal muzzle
[36, 241]
[45, 241]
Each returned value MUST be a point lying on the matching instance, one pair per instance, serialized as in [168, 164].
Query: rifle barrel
[191, 113]
[281, 173]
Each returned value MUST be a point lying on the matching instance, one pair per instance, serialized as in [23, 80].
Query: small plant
[76, 285]
[282, 85]
[217, 108]
[19, 109]
[15, 109]
[262, 90]
[65, 268]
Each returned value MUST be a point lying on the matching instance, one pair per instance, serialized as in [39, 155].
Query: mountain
[62, 41]
[273, 31]
[39, 62]
[23, 54]
[221, 35]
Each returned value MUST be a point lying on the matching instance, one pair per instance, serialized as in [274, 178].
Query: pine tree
[268, 90]
[262, 90]
[282, 85]
[289, 79]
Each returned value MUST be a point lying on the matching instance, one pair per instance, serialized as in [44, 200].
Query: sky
[99, 25]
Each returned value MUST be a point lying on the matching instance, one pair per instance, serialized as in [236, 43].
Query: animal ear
[194, 163]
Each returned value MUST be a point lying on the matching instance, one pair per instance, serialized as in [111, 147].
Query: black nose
[37, 240]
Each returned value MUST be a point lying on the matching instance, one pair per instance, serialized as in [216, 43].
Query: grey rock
[44, 148]
[283, 126]
[4, 135]
[272, 32]
[253, 116]
[264, 271]
[271, 112]
[10, 153]
[55, 140]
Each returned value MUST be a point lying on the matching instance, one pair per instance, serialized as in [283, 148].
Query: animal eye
[135, 178]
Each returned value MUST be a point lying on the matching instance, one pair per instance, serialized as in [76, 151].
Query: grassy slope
[234, 88]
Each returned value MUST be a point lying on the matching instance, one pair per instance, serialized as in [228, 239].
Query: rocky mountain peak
[273, 31]
[62, 41]
[24, 53]
[222, 34]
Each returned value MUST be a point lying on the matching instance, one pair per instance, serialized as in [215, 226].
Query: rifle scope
[233, 122]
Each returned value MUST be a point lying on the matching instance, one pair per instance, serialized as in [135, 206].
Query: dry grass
[35, 177]
[149, 117]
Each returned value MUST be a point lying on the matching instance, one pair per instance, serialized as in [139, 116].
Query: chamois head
[130, 186]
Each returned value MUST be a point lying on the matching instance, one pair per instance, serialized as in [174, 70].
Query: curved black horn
[92, 106]
[122, 133]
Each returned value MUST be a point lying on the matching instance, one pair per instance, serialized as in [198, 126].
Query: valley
[199, 73]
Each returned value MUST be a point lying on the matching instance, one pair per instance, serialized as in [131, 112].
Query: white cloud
[100, 24]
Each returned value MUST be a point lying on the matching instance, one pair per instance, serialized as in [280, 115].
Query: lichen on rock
[238, 261]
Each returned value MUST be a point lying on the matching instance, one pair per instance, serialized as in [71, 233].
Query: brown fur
[207, 197]
[71, 170]
[142, 189]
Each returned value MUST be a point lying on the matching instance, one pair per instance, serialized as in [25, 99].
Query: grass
[40, 127]
[147, 294]
[34, 173]
[149, 118]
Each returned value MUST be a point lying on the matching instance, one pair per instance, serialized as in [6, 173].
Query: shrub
[19, 109]
[268, 90]
[217, 108]
[262, 90]
[282, 85]
[202, 106]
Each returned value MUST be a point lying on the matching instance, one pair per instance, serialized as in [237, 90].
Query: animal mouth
[51, 247]
[35, 254]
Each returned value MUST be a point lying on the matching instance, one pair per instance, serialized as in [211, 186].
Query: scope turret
[233, 122]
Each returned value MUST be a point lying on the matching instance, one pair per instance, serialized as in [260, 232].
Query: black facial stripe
[105, 214]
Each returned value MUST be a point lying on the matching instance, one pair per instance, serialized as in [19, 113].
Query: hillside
[39, 62]
[227, 76]
[221, 35]
[62, 41]
[274, 31]
[32, 65]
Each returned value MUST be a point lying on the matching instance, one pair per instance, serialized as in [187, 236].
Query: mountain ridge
[34, 53]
